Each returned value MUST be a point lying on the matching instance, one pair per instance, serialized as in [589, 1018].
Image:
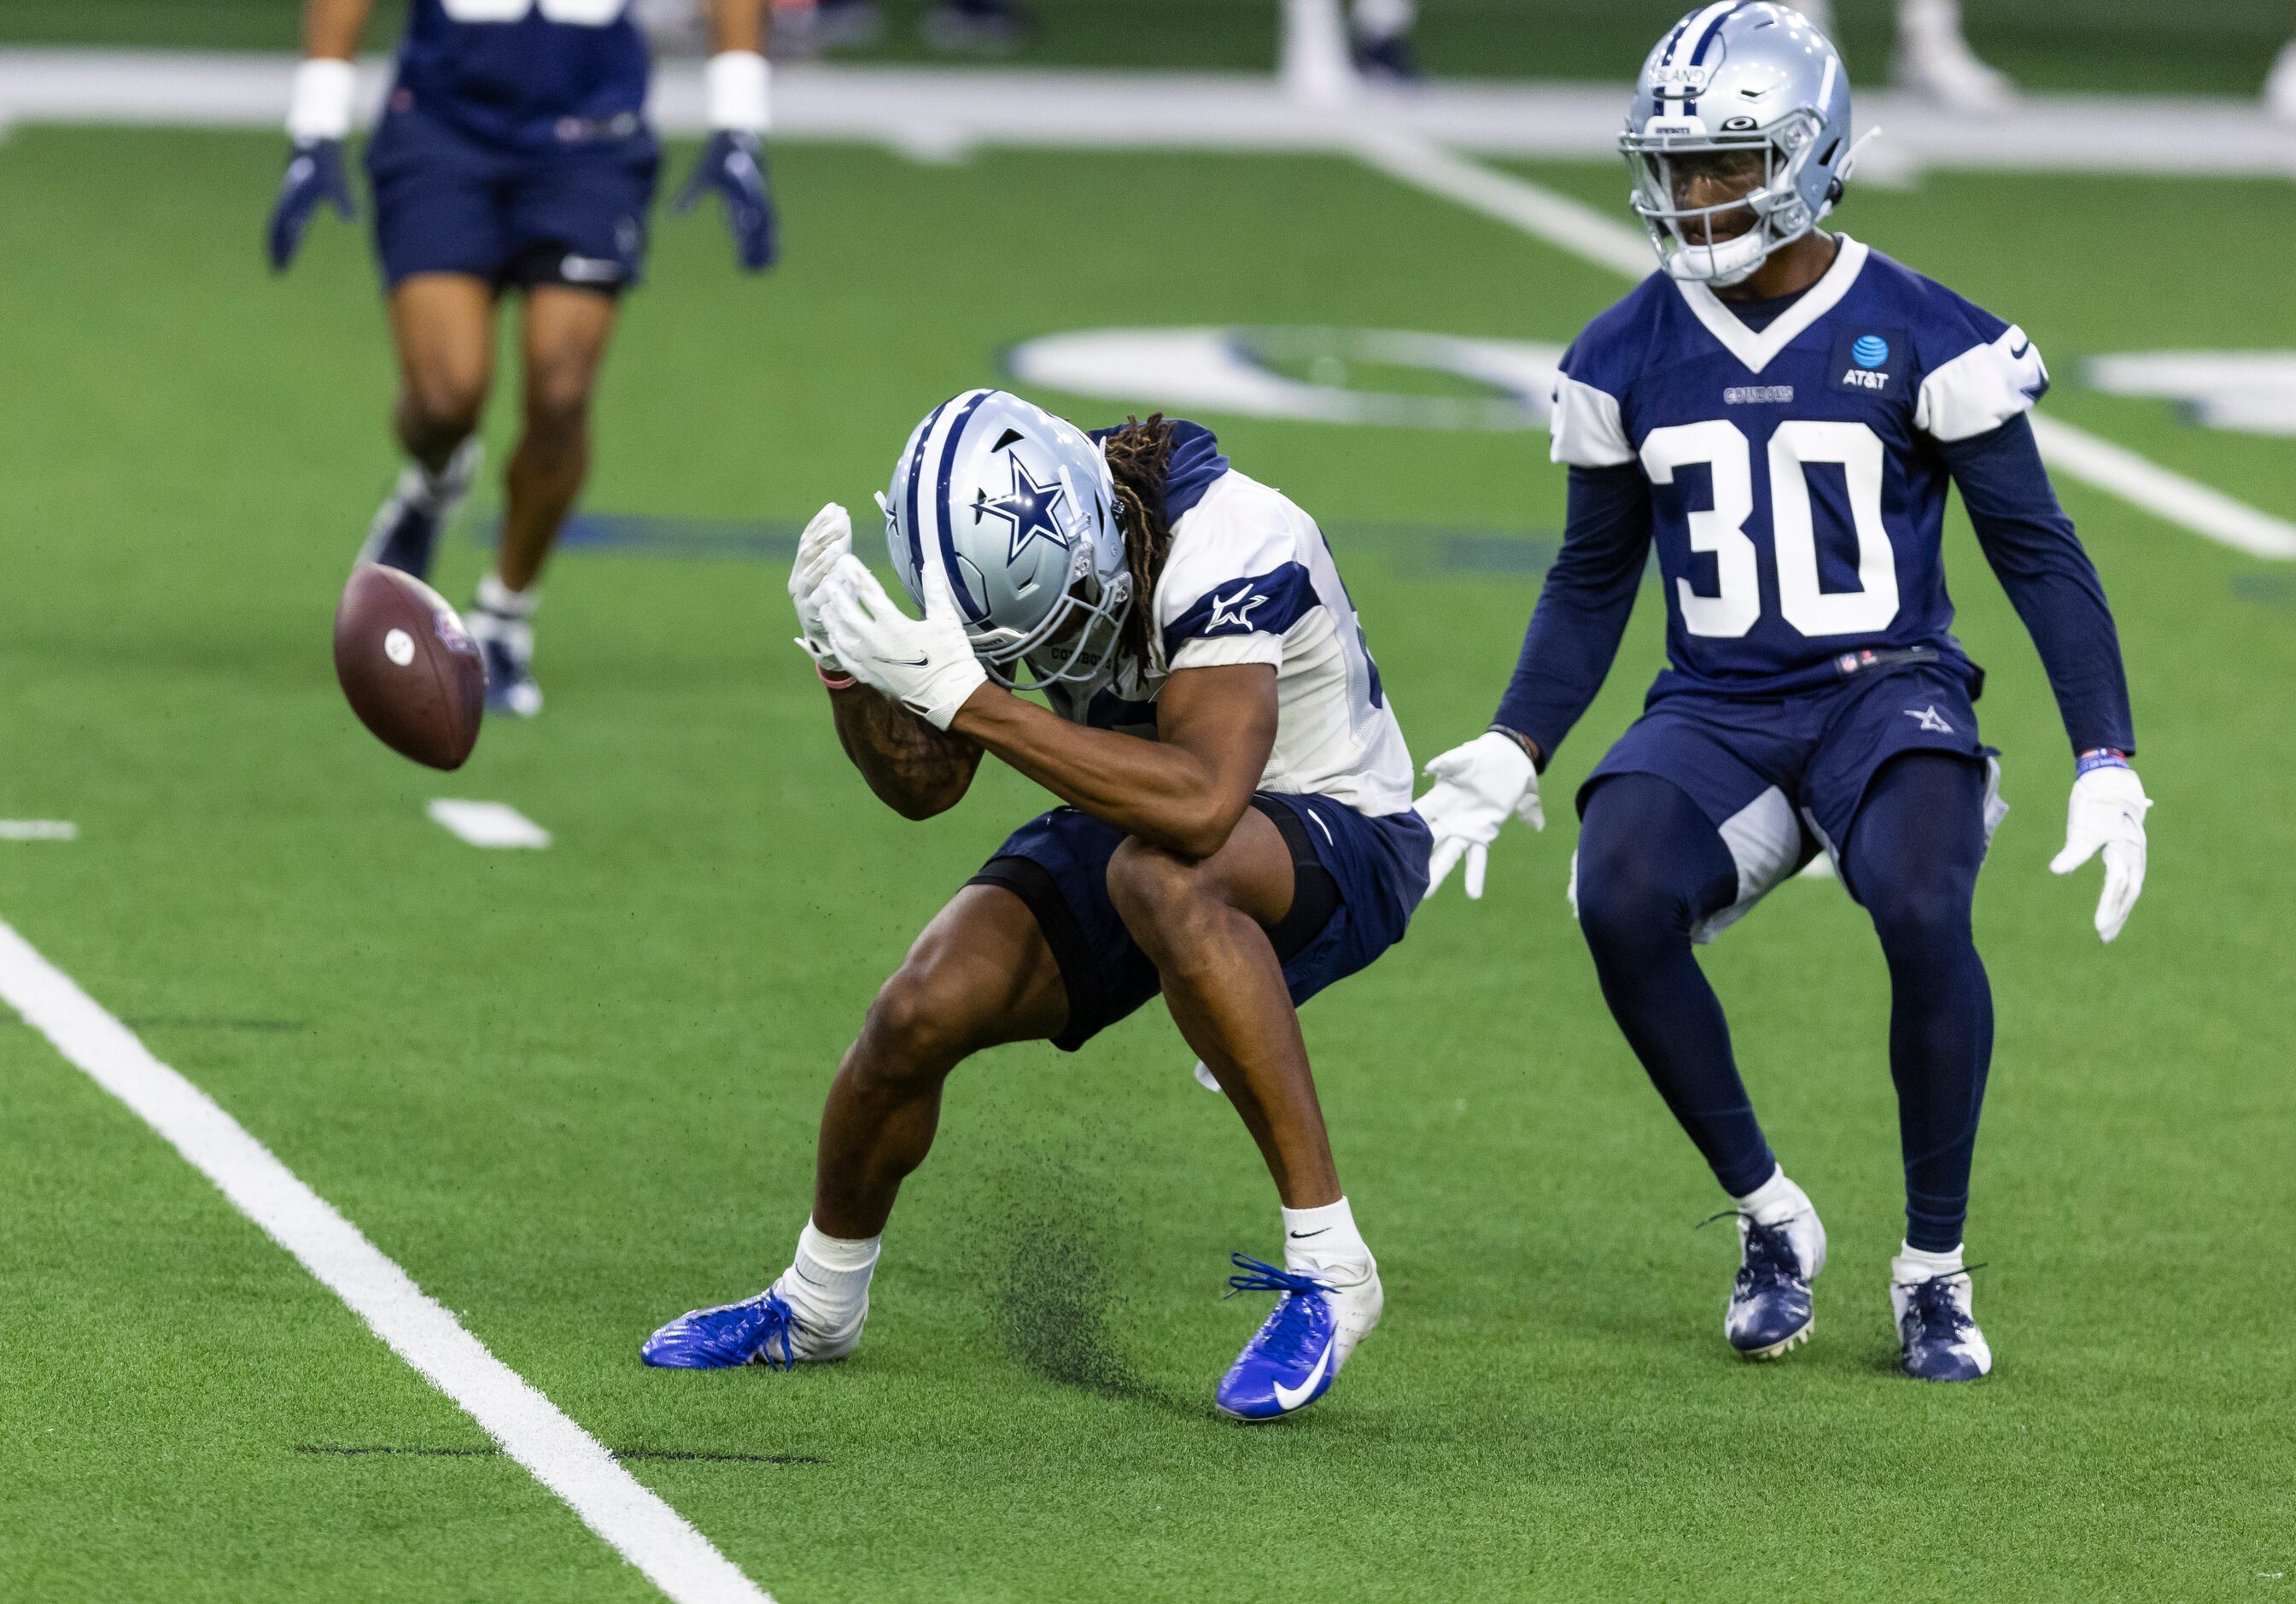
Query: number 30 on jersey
[576, 14]
[1722, 447]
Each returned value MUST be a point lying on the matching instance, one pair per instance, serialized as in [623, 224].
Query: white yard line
[2143, 483]
[38, 829]
[1572, 225]
[572, 1464]
[488, 824]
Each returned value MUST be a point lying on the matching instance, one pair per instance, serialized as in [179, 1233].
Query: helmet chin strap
[1729, 262]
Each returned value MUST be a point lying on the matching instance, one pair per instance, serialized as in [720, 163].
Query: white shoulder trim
[1587, 431]
[1981, 389]
[1759, 350]
[1219, 651]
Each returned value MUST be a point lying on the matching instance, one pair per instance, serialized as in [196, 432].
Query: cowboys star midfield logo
[1030, 507]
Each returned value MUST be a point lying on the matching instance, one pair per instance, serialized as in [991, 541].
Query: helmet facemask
[1689, 247]
[1082, 631]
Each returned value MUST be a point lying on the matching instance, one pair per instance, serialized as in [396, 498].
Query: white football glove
[829, 537]
[926, 664]
[1476, 787]
[2107, 813]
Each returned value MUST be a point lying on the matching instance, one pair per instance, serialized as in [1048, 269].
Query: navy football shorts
[446, 202]
[1356, 881]
[1782, 777]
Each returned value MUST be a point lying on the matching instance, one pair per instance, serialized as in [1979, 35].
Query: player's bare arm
[914, 769]
[1184, 790]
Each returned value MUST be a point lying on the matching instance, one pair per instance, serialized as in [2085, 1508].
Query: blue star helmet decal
[1028, 507]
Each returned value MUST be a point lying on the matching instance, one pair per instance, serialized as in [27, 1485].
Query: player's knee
[1624, 908]
[919, 1023]
[557, 411]
[1157, 893]
[444, 402]
[1925, 916]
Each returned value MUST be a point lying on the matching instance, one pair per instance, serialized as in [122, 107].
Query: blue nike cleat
[1387, 58]
[758, 1330]
[507, 648]
[1291, 1360]
[404, 533]
[1769, 1311]
[1939, 1339]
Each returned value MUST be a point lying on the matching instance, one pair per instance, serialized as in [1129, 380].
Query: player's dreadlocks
[1139, 456]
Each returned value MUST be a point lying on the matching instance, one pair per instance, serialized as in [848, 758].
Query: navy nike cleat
[507, 648]
[1388, 59]
[404, 533]
[1939, 1337]
[1769, 1311]
[1291, 1358]
[758, 1330]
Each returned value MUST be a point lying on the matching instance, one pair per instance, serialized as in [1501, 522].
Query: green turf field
[573, 1092]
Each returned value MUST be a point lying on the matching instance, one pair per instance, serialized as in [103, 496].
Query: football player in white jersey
[1238, 832]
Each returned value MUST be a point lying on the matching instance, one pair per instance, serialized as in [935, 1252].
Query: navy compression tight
[1651, 867]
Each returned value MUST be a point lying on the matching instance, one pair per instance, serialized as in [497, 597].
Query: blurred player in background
[512, 155]
[1934, 59]
[1780, 411]
[1239, 832]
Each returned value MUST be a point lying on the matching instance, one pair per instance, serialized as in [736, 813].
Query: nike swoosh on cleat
[1288, 1398]
[1301, 1236]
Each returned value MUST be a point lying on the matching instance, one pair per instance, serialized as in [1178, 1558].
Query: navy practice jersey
[526, 74]
[1797, 477]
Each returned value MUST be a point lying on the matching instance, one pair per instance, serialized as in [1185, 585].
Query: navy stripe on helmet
[916, 475]
[1706, 40]
[1674, 38]
[977, 611]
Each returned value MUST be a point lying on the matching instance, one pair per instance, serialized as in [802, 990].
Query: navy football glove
[314, 178]
[733, 164]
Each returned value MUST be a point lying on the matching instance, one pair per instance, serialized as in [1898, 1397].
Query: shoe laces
[1769, 1256]
[1289, 1334]
[778, 1323]
[1931, 1302]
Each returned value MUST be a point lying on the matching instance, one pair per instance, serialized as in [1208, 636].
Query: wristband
[319, 102]
[2100, 757]
[1529, 747]
[733, 90]
[835, 682]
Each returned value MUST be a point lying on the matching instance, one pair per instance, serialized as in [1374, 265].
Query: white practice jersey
[1250, 580]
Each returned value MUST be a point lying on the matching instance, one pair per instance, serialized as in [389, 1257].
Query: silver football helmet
[1754, 81]
[1019, 508]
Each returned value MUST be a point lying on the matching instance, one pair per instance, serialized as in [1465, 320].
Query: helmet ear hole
[1833, 193]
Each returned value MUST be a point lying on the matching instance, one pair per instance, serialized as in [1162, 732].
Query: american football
[408, 668]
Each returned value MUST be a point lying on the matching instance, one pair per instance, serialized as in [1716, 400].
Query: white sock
[1314, 1238]
[1914, 1264]
[1776, 1199]
[502, 602]
[832, 1274]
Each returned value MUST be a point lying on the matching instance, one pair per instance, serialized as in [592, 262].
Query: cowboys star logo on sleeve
[1226, 609]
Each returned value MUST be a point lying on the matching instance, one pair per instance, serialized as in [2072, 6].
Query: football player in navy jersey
[1779, 411]
[512, 155]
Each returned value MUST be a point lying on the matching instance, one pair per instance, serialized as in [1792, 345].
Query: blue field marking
[1441, 547]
